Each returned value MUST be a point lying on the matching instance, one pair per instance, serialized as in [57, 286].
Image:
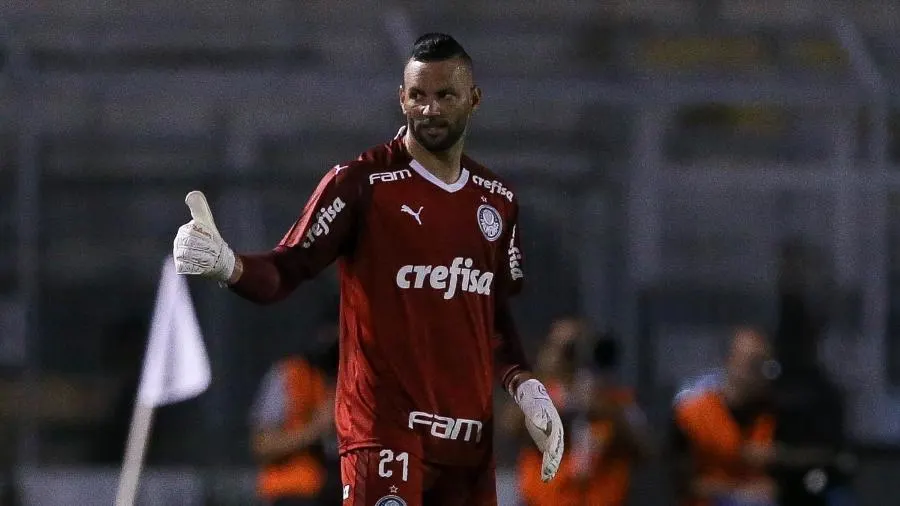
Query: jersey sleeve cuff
[508, 378]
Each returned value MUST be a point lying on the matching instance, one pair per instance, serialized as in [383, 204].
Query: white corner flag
[176, 368]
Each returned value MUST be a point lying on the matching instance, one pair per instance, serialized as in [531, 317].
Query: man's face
[437, 99]
[747, 363]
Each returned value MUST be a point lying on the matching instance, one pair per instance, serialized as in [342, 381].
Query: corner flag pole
[176, 368]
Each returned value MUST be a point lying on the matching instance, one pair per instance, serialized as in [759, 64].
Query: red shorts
[381, 477]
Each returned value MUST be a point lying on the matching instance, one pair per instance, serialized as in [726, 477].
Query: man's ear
[476, 98]
[401, 93]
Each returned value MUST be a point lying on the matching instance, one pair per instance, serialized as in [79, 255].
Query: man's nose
[432, 109]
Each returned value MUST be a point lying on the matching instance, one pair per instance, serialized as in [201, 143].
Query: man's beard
[452, 134]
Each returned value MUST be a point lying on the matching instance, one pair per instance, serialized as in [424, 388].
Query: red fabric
[425, 274]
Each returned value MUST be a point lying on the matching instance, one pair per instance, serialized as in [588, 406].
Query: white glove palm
[543, 424]
[199, 248]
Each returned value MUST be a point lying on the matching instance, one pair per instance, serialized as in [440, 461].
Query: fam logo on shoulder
[389, 177]
[390, 500]
[489, 222]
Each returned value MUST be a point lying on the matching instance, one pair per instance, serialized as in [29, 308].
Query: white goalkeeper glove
[543, 424]
[199, 248]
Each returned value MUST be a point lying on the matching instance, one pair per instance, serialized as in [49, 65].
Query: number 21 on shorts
[388, 458]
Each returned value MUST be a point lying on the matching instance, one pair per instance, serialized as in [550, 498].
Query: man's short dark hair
[438, 47]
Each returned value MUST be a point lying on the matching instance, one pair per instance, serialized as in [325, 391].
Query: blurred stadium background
[667, 152]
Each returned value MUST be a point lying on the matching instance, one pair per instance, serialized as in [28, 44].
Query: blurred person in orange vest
[604, 426]
[723, 431]
[293, 435]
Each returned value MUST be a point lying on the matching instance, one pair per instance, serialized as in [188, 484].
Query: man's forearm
[237, 272]
[509, 359]
[267, 277]
[274, 445]
[277, 444]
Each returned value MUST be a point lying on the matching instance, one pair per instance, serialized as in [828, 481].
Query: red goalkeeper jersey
[425, 268]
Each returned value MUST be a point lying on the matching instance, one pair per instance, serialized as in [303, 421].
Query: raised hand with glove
[543, 424]
[199, 248]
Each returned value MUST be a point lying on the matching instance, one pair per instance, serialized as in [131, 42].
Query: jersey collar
[431, 178]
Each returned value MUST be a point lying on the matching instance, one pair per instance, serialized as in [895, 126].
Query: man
[428, 253]
[810, 405]
[615, 436]
[292, 423]
[723, 434]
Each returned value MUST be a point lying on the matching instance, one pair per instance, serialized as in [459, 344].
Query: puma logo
[415, 214]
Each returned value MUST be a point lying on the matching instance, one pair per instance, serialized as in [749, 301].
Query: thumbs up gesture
[199, 248]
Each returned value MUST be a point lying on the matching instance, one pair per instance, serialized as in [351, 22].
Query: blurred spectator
[805, 293]
[605, 430]
[809, 405]
[780, 443]
[293, 427]
[723, 433]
